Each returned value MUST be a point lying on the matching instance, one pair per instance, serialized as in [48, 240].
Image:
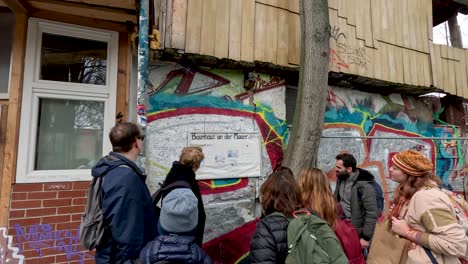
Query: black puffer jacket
[174, 249]
[270, 240]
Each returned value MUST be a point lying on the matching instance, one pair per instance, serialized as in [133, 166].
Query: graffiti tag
[58, 186]
[337, 61]
[44, 237]
[357, 56]
[336, 34]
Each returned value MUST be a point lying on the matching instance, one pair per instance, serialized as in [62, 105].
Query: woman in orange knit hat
[423, 214]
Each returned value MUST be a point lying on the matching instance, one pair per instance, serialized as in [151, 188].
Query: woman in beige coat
[423, 214]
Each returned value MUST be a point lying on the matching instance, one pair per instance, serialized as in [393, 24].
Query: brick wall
[44, 222]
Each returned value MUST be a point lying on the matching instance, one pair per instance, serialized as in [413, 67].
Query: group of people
[420, 213]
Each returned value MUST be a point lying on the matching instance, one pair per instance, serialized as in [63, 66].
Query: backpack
[92, 225]
[311, 240]
[461, 208]
[379, 196]
[159, 193]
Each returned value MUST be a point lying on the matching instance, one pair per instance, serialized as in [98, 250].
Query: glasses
[142, 137]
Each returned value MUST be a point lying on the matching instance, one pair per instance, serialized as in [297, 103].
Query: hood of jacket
[180, 172]
[113, 160]
[364, 175]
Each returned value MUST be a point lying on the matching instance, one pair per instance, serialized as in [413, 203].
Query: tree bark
[313, 81]
[455, 34]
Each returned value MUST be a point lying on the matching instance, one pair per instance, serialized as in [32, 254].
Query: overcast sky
[439, 35]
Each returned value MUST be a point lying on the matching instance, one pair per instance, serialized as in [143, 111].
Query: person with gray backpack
[120, 219]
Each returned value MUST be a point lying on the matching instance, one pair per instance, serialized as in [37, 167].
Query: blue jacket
[174, 249]
[127, 208]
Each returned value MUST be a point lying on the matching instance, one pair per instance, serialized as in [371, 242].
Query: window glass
[69, 134]
[70, 59]
[7, 19]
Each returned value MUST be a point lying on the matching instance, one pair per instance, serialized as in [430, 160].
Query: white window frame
[34, 89]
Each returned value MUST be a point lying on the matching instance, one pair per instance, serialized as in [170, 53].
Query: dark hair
[123, 135]
[348, 160]
[280, 193]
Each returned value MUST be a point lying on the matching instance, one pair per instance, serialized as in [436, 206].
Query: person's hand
[400, 227]
[364, 243]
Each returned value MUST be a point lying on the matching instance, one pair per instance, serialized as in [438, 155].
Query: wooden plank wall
[379, 39]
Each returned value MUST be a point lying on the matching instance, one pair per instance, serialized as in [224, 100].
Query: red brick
[56, 202]
[56, 219]
[29, 254]
[28, 187]
[49, 251]
[25, 222]
[41, 212]
[79, 201]
[42, 260]
[69, 225]
[57, 186]
[71, 209]
[76, 217]
[19, 196]
[81, 185]
[25, 204]
[17, 214]
[72, 194]
[42, 195]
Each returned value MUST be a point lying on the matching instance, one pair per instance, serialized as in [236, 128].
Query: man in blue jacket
[126, 201]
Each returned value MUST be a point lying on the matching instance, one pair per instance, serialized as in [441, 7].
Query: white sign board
[228, 155]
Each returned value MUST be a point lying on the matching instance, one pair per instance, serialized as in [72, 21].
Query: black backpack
[379, 196]
[159, 194]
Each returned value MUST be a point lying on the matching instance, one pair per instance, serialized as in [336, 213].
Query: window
[68, 102]
[6, 35]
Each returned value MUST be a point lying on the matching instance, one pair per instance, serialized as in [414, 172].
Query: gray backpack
[92, 225]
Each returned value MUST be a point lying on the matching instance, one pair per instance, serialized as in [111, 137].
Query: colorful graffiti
[9, 253]
[44, 237]
[396, 121]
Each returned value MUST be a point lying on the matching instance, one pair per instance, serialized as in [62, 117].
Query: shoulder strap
[158, 194]
[430, 255]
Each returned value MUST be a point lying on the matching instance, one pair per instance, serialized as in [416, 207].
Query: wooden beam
[3, 123]
[19, 6]
[124, 4]
[13, 117]
[83, 21]
[123, 77]
[83, 10]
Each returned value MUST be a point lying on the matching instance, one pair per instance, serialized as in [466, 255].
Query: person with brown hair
[126, 201]
[279, 193]
[318, 197]
[423, 214]
[184, 170]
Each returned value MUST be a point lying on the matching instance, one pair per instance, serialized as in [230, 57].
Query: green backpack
[311, 240]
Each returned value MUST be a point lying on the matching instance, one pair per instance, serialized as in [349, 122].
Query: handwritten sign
[228, 155]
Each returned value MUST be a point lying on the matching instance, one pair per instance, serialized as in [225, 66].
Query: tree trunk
[455, 34]
[313, 81]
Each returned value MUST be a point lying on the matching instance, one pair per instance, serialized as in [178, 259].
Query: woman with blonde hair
[184, 171]
[317, 196]
[423, 214]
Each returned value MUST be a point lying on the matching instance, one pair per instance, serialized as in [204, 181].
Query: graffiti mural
[189, 99]
[391, 119]
[9, 253]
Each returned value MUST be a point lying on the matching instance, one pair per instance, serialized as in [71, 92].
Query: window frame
[34, 89]
[7, 94]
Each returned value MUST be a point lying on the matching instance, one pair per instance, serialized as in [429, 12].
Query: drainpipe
[142, 99]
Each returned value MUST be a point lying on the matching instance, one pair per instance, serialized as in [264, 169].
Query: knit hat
[412, 163]
[179, 211]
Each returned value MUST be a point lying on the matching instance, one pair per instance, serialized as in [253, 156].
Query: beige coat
[431, 212]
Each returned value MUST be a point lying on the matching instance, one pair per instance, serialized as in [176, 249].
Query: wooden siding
[378, 39]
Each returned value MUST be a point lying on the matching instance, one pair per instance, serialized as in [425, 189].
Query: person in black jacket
[126, 201]
[184, 170]
[177, 226]
[279, 193]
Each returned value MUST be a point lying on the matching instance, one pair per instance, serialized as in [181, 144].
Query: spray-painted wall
[185, 99]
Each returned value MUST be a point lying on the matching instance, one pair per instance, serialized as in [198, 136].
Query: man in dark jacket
[361, 211]
[177, 227]
[126, 201]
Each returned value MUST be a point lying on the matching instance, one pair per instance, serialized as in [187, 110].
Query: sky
[439, 35]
